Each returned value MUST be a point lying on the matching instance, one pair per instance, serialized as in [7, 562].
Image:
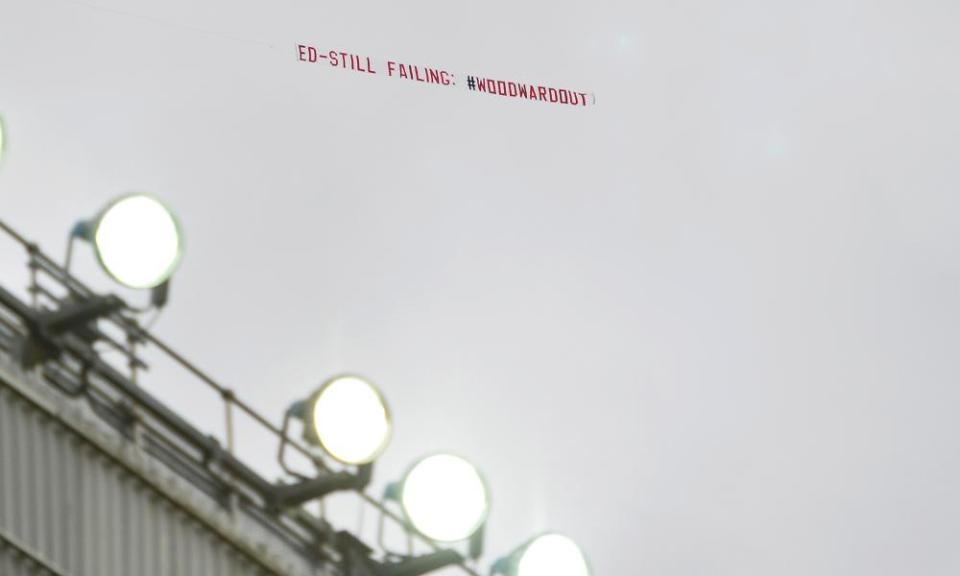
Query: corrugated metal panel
[16, 559]
[69, 507]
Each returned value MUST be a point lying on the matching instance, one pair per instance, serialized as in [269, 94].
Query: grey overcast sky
[709, 326]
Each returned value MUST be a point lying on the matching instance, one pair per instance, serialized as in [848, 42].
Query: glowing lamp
[444, 498]
[549, 554]
[350, 420]
[137, 240]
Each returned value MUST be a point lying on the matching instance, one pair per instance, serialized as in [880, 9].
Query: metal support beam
[357, 560]
[292, 495]
[46, 328]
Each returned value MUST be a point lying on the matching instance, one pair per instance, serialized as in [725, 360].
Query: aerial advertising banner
[394, 70]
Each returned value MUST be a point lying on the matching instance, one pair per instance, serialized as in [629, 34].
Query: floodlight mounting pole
[299, 410]
[292, 495]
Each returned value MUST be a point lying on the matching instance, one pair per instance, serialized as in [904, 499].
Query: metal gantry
[53, 335]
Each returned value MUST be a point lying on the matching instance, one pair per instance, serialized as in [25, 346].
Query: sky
[706, 325]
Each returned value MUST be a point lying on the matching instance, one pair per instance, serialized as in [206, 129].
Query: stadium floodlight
[444, 498]
[549, 554]
[348, 417]
[137, 240]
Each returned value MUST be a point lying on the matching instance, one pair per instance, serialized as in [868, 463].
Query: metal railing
[125, 335]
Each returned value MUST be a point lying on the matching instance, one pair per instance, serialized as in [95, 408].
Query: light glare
[351, 420]
[138, 241]
[552, 555]
[445, 498]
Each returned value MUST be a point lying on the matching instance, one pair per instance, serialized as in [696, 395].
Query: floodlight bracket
[475, 544]
[357, 560]
[73, 316]
[78, 313]
[417, 565]
[299, 410]
[160, 294]
[292, 495]
[354, 555]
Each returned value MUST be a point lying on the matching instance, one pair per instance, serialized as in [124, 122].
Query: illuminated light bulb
[552, 555]
[138, 241]
[445, 498]
[351, 420]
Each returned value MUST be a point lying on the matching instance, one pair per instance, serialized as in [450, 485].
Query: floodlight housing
[137, 240]
[549, 554]
[349, 418]
[444, 497]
